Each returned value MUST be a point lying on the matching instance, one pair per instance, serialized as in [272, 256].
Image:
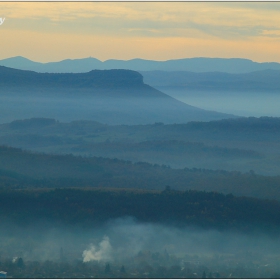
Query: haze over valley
[108, 131]
[233, 86]
[139, 140]
[108, 96]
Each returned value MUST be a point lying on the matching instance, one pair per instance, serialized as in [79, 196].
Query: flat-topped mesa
[107, 96]
[95, 78]
[115, 78]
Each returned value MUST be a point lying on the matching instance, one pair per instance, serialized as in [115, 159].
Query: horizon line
[137, 58]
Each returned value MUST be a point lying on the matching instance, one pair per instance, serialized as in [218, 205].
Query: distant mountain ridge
[265, 80]
[198, 64]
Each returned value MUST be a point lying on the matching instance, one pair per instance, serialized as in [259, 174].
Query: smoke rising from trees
[102, 252]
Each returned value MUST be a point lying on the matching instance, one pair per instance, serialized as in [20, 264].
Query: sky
[53, 31]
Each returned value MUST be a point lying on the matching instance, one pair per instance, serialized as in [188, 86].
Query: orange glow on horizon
[50, 31]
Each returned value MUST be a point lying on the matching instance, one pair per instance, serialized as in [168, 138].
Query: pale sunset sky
[53, 31]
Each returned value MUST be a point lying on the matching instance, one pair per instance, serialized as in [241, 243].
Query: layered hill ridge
[23, 169]
[264, 80]
[107, 96]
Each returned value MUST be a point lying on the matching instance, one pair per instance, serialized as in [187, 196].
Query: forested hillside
[242, 144]
[21, 169]
[177, 208]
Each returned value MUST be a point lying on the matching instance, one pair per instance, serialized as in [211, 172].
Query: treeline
[241, 125]
[95, 207]
[160, 148]
[22, 169]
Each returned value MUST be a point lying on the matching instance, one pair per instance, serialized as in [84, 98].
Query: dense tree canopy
[88, 207]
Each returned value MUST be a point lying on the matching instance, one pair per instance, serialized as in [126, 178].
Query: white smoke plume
[103, 253]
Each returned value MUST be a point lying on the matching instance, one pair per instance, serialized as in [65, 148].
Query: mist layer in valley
[255, 93]
[125, 248]
[109, 110]
[241, 103]
[103, 133]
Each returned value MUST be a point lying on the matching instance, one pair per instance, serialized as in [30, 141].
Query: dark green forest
[23, 169]
[178, 208]
[90, 210]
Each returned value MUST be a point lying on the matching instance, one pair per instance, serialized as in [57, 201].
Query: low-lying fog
[112, 110]
[246, 104]
[105, 107]
[124, 238]
[64, 109]
[115, 110]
